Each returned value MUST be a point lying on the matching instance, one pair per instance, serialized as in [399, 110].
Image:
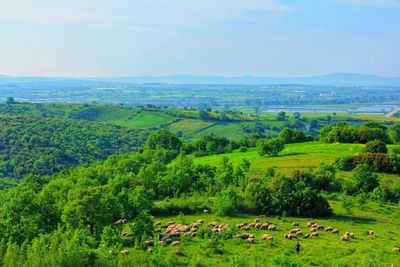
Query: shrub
[272, 146]
[364, 180]
[345, 163]
[376, 146]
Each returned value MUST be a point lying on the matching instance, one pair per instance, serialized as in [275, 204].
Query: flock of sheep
[173, 231]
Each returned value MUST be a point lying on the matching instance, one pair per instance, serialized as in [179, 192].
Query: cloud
[371, 3]
[23, 11]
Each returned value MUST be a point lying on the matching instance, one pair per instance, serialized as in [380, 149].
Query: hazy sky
[213, 37]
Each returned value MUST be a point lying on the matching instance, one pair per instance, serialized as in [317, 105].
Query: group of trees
[42, 146]
[347, 133]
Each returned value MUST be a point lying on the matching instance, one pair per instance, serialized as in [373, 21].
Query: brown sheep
[124, 252]
[306, 236]
[157, 223]
[200, 221]
[295, 224]
[299, 233]
[272, 227]
[240, 225]
[267, 237]
[312, 230]
[309, 224]
[314, 234]
[250, 240]
[252, 225]
[256, 220]
[258, 225]
[293, 231]
[252, 236]
[371, 233]
[320, 227]
[264, 226]
[396, 249]
[328, 229]
[335, 231]
[193, 234]
[345, 238]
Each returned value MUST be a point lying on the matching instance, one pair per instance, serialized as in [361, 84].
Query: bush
[272, 147]
[345, 163]
[364, 180]
[243, 149]
[226, 202]
[376, 146]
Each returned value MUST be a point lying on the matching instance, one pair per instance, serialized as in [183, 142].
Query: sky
[200, 37]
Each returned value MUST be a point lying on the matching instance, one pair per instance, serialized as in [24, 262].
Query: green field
[325, 250]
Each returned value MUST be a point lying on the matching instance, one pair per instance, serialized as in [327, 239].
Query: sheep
[157, 223]
[328, 229]
[312, 230]
[206, 211]
[272, 227]
[201, 221]
[256, 220]
[309, 224]
[250, 240]
[149, 243]
[295, 224]
[306, 236]
[293, 231]
[175, 243]
[267, 237]
[345, 238]
[335, 231]
[258, 225]
[314, 234]
[371, 233]
[124, 252]
[320, 227]
[121, 221]
[264, 226]
[299, 233]
[396, 249]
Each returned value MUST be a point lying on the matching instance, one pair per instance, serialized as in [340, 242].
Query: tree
[141, 199]
[281, 116]
[226, 201]
[364, 179]
[92, 207]
[143, 227]
[10, 100]
[272, 147]
[376, 146]
[297, 115]
[394, 132]
[164, 139]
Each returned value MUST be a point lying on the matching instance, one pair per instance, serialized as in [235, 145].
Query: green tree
[376, 146]
[364, 179]
[281, 116]
[272, 146]
[394, 132]
[143, 227]
[226, 201]
[141, 199]
[92, 207]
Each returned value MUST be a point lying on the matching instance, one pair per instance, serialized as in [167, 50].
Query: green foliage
[364, 179]
[376, 146]
[226, 201]
[394, 132]
[143, 227]
[292, 136]
[164, 139]
[272, 147]
[42, 146]
[83, 206]
[281, 116]
[141, 199]
[111, 237]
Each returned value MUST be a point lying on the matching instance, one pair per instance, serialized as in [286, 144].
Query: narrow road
[393, 112]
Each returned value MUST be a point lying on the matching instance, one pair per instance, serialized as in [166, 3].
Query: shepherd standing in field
[297, 247]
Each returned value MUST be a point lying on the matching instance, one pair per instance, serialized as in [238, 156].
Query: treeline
[41, 146]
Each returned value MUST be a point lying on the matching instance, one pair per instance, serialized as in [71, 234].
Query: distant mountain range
[336, 79]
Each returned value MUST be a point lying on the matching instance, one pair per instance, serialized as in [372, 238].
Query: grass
[294, 156]
[325, 250]
[133, 120]
[378, 118]
[189, 126]
[230, 130]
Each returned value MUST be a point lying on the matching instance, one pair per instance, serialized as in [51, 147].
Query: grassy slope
[326, 250]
